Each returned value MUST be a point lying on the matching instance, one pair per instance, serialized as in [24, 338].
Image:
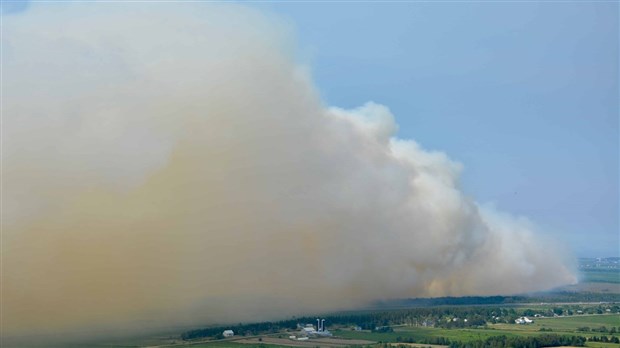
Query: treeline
[523, 342]
[442, 341]
[450, 301]
[604, 339]
[368, 320]
[446, 317]
[601, 270]
[503, 341]
[611, 330]
[241, 329]
[569, 296]
[556, 296]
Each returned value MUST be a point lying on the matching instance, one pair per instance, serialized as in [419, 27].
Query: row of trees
[612, 330]
[367, 320]
[523, 342]
[505, 342]
[550, 297]
[241, 329]
[443, 341]
[605, 339]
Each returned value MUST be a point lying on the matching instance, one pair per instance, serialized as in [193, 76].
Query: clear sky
[524, 94]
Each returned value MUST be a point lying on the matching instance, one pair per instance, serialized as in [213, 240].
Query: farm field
[560, 325]
[420, 334]
[566, 324]
[601, 345]
[593, 287]
[270, 342]
[227, 345]
[601, 276]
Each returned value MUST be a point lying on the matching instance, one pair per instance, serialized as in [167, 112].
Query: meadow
[601, 276]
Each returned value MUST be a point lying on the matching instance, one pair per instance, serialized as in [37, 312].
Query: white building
[309, 330]
[228, 333]
[523, 321]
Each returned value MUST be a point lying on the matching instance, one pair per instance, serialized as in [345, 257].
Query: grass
[370, 336]
[601, 345]
[232, 345]
[420, 334]
[566, 324]
[601, 276]
[573, 322]
[560, 326]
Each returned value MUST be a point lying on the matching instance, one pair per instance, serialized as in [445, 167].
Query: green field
[601, 345]
[564, 324]
[571, 323]
[601, 276]
[232, 345]
[560, 325]
[421, 334]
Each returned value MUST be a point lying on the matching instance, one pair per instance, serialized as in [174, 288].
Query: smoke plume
[172, 163]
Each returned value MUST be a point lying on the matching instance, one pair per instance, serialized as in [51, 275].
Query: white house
[523, 321]
[228, 333]
[309, 330]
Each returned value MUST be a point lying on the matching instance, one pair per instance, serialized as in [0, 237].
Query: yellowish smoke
[172, 163]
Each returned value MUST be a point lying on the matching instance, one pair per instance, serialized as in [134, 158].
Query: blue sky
[525, 95]
[14, 6]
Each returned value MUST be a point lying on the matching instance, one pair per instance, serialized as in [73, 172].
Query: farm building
[523, 321]
[309, 331]
[228, 333]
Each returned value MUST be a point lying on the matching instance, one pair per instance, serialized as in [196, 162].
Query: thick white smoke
[173, 162]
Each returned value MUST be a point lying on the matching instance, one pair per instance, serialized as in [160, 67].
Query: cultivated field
[560, 325]
[567, 324]
[601, 276]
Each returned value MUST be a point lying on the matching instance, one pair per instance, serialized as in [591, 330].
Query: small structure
[321, 330]
[523, 321]
[309, 331]
[228, 333]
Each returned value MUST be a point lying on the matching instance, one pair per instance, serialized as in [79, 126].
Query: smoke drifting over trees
[172, 163]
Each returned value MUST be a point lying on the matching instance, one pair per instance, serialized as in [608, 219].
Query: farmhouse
[310, 331]
[228, 333]
[523, 321]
